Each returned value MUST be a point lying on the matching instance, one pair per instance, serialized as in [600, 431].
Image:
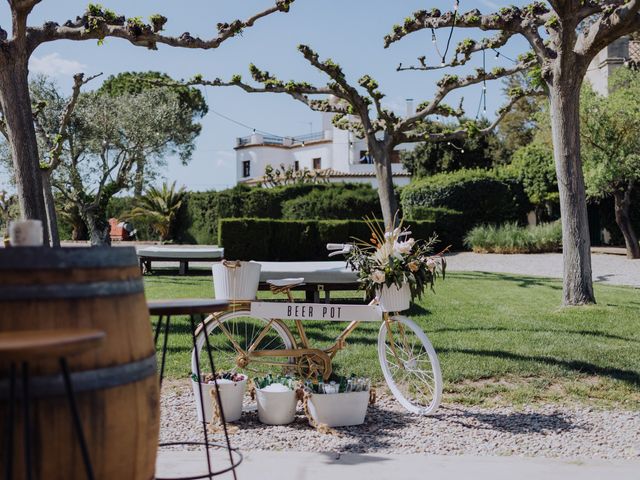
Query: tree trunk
[386, 193]
[138, 186]
[576, 246]
[16, 107]
[52, 218]
[99, 228]
[622, 201]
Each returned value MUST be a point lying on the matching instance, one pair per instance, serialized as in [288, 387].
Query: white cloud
[54, 65]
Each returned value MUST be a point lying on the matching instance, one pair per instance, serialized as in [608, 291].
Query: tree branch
[98, 24]
[470, 130]
[615, 22]
[450, 83]
[466, 48]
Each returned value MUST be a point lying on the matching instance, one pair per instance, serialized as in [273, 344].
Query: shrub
[333, 204]
[465, 198]
[512, 238]
[294, 240]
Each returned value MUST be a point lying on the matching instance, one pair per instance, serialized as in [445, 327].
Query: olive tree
[564, 35]
[96, 23]
[107, 138]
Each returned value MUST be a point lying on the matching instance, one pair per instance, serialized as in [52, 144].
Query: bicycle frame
[301, 347]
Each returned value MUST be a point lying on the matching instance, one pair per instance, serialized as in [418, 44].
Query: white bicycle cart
[256, 337]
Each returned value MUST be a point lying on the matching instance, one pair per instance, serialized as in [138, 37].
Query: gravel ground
[545, 431]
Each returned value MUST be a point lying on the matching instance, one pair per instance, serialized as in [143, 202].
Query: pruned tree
[96, 23]
[382, 129]
[564, 35]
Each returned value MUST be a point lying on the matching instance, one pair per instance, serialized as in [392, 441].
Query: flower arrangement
[392, 257]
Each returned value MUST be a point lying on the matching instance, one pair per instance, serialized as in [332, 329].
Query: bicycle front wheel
[410, 365]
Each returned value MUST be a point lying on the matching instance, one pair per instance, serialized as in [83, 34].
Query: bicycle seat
[286, 282]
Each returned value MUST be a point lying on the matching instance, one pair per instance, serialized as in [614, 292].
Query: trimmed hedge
[333, 204]
[294, 240]
[458, 201]
[199, 223]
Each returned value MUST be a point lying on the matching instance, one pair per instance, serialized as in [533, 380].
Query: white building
[623, 51]
[338, 153]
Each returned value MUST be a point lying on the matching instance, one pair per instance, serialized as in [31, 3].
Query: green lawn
[500, 339]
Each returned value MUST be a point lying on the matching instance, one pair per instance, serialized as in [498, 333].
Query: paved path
[322, 466]
[610, 269]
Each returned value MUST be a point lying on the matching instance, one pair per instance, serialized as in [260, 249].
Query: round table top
[31, 344]
[186, 306]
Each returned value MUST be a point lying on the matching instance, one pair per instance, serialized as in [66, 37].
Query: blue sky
[348, 31]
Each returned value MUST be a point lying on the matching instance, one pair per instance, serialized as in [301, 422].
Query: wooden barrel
[116, 385]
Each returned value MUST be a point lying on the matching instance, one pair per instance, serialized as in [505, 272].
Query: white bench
[181, 254]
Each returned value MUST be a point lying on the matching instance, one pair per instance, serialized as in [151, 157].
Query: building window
[365, 157]
[395, 157]
[317, 163]
[296, 165]
[246, 168]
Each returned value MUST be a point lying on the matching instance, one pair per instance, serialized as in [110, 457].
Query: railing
[276, 140]
[309, 137]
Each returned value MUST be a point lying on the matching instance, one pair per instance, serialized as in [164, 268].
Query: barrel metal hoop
[109, 288]
[41, 258]
[86, 380]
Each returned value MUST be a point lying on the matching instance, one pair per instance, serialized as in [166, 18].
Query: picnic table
[182, 254]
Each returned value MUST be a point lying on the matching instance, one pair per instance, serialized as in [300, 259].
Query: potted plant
[341, 402]
[276, 398]
[231, 386]
[393, 267]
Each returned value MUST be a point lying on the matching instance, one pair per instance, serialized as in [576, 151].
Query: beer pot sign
[317, 311]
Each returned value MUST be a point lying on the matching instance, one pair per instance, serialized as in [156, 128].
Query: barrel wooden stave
[121, 423]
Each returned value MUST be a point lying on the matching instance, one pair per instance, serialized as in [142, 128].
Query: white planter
[339, 409]
[231, 395]
[236, 280]
[394, 299]
[276, 408]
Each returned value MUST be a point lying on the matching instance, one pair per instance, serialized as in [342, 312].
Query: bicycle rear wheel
[410, 365]
[237, 340]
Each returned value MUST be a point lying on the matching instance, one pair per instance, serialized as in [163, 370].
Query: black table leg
[77, 424]
[11, 413]
[213, 370]
[164, 347]
[199, 375]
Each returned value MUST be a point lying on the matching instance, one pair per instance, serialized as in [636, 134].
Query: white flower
[377, 276]
[431, 264]
[404, 248]
[383, 253]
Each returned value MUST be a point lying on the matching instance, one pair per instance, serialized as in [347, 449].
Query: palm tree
[160, 207]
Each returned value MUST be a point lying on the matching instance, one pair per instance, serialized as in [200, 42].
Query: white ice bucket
[276, 408]
[339, 409]
[394, 299]
[235, 280]
[231, 395]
